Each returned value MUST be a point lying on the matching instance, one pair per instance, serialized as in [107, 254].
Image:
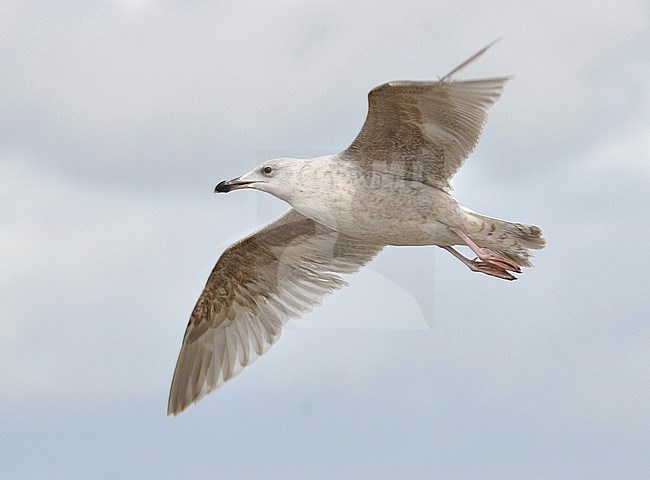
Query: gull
[389, 187]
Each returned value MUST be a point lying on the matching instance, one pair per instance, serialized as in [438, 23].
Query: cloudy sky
[117, 118]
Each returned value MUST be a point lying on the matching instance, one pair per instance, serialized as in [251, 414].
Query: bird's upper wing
[258, 284]
[424, 131]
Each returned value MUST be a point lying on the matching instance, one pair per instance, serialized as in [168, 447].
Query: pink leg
[486, 255]
[476, 265]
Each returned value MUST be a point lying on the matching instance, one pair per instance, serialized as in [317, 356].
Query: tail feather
[509, 239]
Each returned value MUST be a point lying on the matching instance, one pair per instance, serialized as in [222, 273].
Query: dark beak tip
[222, 187]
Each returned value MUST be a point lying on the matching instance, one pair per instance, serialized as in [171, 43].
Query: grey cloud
[203, 85]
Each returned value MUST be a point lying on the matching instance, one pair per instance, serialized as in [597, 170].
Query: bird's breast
[383, 211]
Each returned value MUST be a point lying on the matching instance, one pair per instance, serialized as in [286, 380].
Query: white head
[280, 177]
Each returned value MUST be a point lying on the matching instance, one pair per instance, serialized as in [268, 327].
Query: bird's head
[280, 177]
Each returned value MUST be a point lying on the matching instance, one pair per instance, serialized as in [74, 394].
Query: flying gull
[389, 187]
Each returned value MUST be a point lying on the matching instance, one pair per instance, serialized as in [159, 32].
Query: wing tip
[470, 60]
[177, 404]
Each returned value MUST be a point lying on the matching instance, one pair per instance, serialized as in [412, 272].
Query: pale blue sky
[119, 117]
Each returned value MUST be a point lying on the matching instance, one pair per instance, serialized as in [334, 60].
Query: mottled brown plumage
[433, 125]
[258, 284]
[389, 187]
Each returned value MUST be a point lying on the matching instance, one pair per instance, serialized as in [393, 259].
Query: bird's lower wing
[258, 284]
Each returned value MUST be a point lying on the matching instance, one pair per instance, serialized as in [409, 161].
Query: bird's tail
[509, 239]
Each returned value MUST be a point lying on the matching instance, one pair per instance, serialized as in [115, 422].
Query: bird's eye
[267, 170]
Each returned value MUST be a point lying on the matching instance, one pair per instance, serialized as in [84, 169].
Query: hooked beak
[228, 185]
